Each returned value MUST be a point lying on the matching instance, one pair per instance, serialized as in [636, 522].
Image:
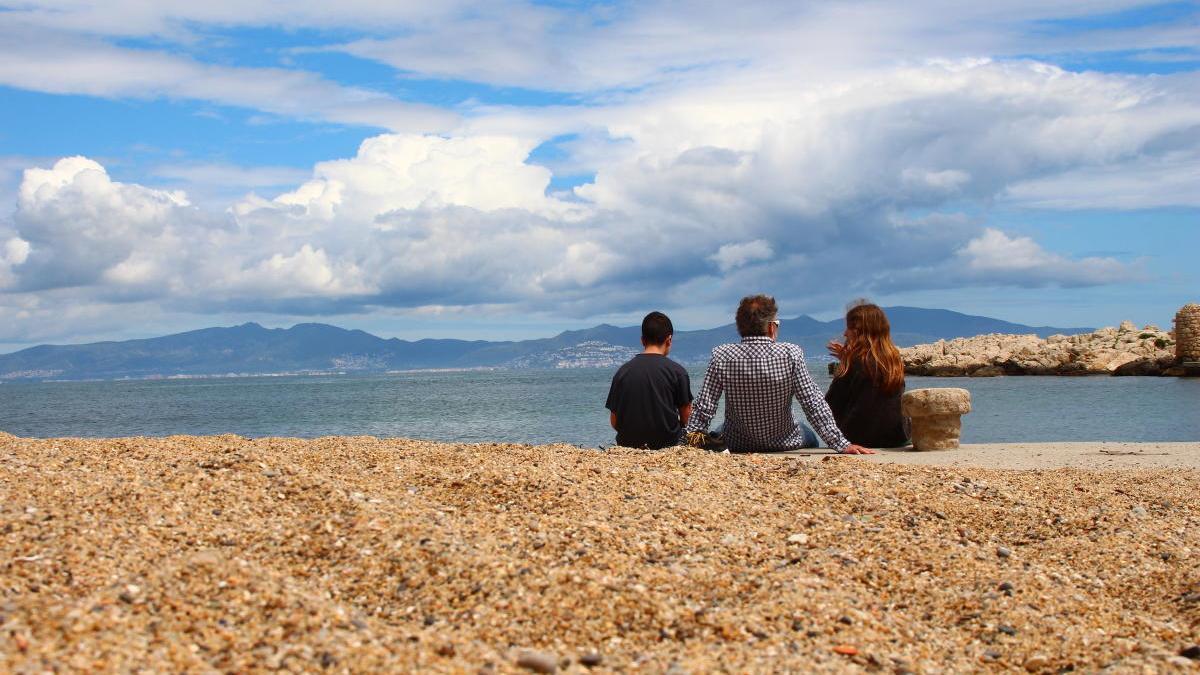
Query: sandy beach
[1074, 455]
[349, 554]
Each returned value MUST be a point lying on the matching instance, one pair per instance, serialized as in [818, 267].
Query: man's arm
[684, 414]
[611, 401]
[705, 405]
[817, 410]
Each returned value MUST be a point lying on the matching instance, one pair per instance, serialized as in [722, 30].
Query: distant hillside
[313, 347]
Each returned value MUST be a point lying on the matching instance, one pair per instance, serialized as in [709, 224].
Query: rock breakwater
[1124, 350]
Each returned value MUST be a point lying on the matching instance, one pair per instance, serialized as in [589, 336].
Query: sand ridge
[348, 554]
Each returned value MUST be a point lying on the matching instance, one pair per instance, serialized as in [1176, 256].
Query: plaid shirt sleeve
[815, 407]
[705, 405]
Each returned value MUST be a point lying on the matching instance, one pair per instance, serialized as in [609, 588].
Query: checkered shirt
[759, 377]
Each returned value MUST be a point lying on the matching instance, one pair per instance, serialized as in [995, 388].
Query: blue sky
[512, 169]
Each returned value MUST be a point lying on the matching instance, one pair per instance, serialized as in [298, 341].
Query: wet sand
[352, 554]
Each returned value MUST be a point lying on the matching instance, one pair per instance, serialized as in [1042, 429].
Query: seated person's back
[759, 377]
[650, 398]
[865, 393]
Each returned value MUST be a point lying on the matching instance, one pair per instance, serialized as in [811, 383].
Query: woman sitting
[865, 392]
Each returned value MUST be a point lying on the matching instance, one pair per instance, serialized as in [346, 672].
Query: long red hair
[869, 343]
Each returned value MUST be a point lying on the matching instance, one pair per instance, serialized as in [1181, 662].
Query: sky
[510, 169]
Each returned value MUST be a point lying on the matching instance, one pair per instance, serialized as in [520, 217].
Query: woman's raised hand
[835, 349]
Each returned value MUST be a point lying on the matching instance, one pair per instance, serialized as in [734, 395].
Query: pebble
[1003, 551]
[1007, 630]
[591, 659]
[1192, 652]
[1036, 662]
[538, 662]
[798, 538]
[845, 650]
[507, 546]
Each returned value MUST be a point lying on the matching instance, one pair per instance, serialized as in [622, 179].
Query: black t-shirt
[866, 415]
[646, 395]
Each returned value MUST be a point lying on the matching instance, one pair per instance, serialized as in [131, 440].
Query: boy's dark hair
[754, 313]
[656, 328]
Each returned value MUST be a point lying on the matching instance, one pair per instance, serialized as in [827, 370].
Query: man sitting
[650, 399]
[759, 377]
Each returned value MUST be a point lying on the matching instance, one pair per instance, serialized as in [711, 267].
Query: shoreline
[1098, 455]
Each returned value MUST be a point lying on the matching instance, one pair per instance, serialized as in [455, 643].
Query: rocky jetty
[1124, 350]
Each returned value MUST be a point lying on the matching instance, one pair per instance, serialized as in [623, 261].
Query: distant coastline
[251, 350]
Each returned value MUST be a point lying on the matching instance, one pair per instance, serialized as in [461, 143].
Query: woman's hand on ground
[857, 450]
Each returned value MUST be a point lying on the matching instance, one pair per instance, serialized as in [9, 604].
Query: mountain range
[321, 348]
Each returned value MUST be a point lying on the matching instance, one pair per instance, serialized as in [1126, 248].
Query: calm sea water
[546, 406]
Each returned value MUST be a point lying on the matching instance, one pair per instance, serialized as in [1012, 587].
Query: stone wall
[1187, 333]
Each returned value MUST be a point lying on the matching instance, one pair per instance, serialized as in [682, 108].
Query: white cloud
[731, 256]
[1021, 261]
[16, 251]
[78, 223]
[1171, 178]
[70, 64]
[677, 45]
[177, 18]
[307, 272]
[699, 195]
[407, 172]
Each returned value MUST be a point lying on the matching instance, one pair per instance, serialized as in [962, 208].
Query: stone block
[936, 416]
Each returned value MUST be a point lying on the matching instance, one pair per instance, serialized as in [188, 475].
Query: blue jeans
[810, 436]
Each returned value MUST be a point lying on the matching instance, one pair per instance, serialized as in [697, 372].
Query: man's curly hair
[754, 313]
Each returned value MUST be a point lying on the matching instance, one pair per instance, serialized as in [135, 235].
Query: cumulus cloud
[731, 256]
[809, 192]
[77, 223]
[407, 172]
[1021, 261]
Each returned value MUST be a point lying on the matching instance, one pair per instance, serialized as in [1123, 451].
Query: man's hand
[857, 450]
[835, 349]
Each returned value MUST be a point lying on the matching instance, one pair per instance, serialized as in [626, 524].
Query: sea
[545, 406]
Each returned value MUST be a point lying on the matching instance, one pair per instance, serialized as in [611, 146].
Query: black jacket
[867, 416]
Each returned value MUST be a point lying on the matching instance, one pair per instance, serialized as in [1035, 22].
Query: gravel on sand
[351, 554]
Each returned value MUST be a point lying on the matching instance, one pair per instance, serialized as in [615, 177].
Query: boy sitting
[650, 399]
